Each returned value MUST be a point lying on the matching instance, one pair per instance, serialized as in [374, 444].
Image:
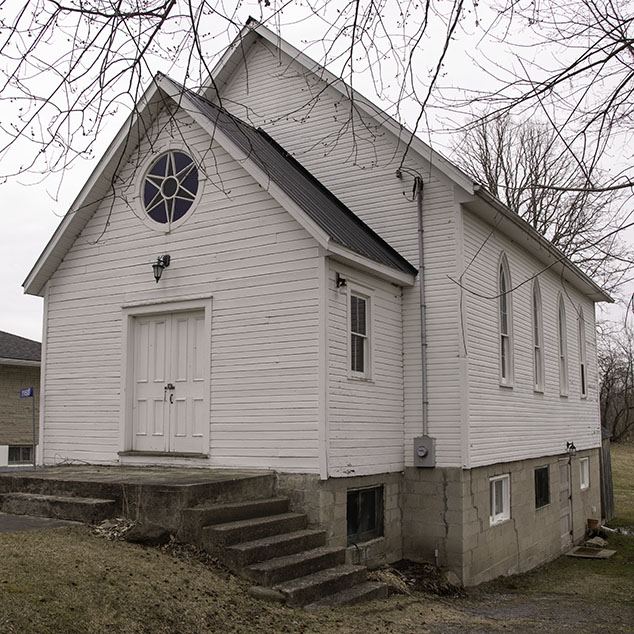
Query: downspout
[419, 191]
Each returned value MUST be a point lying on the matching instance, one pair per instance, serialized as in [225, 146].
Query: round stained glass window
[170, 187]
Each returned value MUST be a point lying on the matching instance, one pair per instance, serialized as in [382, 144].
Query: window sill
[508, 386]
[499, 522]
[362, 379]
[538, 390]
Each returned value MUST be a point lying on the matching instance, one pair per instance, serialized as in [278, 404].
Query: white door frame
[129, 312]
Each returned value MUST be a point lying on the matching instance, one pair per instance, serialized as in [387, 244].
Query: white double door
[169, 406]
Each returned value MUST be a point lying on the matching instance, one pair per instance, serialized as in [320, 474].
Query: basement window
[500, 495]
[364, 514]
[21, 455]
[542, 487]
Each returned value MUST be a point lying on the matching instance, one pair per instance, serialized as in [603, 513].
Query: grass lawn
[623, 480]
[69, 581]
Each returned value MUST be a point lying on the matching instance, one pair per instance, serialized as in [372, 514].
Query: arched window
[583, 376]
[538, 339]
[563, 348]
[505, 319]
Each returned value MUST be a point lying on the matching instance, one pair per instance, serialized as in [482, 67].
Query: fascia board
[487, 206]
[260, 176]
[437, 161]
[223, 67]
[346, 256]
[81, 209]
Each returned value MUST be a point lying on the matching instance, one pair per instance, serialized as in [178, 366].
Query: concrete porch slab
[149, 494]
[148, 476]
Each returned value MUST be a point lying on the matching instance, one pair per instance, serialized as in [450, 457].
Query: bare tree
[573, 68]
[616, 368]
[69, 67]
[527, 167]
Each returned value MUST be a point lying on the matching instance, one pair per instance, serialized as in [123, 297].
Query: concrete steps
[317, 585]
[194, 519]
[366, 591]
[242, 555]
[81, 509]
[264, 542]
[279, 569]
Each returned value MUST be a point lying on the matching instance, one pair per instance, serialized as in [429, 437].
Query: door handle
[171, 399]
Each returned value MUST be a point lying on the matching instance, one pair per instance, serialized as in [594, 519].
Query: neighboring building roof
[14, 349]
[323, 207]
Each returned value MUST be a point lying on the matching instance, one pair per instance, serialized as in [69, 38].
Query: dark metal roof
[321, 205]
[14, 347]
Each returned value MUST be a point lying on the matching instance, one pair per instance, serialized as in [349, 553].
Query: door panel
[169, 384]
[564, 504]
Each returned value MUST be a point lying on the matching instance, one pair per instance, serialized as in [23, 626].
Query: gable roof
[478, 199]
[326, 218]
[321, 205]
[16, 350]
[348, 242]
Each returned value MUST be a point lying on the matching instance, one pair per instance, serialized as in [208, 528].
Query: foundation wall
[448, 512]
[442, 516]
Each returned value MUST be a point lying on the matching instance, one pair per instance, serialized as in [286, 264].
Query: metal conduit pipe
[419, 189]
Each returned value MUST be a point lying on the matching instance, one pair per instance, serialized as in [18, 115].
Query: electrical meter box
[424, 451]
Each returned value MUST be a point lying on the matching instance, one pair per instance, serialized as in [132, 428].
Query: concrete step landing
[80, 509]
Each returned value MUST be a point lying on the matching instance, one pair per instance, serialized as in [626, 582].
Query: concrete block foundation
[442, 515]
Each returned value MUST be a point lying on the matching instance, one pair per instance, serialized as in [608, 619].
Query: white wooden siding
[240, 247]
[365, 417]
[514, 423]
[360, 170]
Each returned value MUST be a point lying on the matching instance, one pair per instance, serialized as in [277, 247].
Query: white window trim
[363, 293]
[163, 147]
[583, 362]
[538, 338]
[505, 513]
[562, 352]
[584, 473]
[505, 300]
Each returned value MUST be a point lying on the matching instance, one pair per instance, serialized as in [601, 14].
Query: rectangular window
[20, 455]
[542, 487]
[500, 496]
[584, 472]
[359, 336]
[364, 513]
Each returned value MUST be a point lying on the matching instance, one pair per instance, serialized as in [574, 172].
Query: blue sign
[26, 392]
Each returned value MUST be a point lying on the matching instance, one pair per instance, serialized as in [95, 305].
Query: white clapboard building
[418, 400]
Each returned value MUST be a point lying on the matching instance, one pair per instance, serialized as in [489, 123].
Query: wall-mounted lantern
[572, 450]
[162, 262]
